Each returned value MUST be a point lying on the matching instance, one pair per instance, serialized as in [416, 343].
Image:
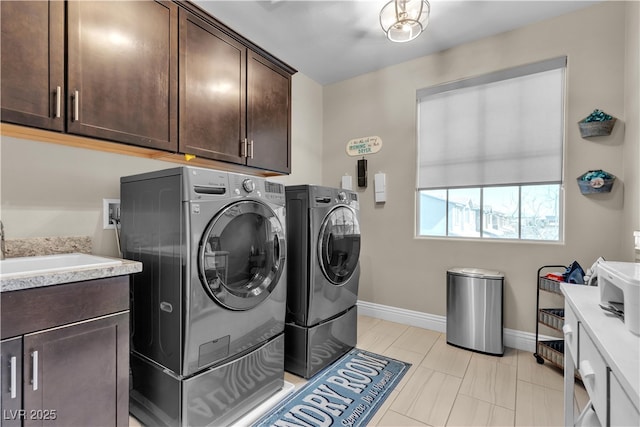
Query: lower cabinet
[71, 376]
[606, 355]
[11, 379]
[72, 367]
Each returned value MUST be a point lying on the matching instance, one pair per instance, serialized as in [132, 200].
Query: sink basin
[12, 267]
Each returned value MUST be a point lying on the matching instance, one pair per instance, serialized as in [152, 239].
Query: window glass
[464, 212]
[541, 212]
[500, 212]
[528, 212]
[432, 220]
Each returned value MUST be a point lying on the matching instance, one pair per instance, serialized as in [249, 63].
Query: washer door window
[339, 245]
[242, 255]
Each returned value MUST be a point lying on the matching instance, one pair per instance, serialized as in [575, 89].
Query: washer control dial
[342, 196]
[248, 185]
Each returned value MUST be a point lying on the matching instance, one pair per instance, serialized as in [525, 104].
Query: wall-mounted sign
[362, 146]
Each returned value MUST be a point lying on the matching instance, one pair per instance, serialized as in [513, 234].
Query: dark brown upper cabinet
[125, 71]
[268, 115]
[212, 91]
[235, 105]
[122, 69]
[32, 63]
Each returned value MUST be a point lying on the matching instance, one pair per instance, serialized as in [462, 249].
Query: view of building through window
[527, 212]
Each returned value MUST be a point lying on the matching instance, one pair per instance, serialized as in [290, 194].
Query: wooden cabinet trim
[24, 132]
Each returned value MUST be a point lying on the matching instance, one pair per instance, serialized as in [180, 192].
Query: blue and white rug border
[320, 376]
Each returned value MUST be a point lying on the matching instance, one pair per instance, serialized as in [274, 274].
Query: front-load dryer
[208, 309]
[323, 240]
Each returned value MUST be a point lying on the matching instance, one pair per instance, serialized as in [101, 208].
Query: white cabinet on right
[593, 370]
[622, 411]
[606, 353]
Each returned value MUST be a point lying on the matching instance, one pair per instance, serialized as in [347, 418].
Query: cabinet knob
[567, 330]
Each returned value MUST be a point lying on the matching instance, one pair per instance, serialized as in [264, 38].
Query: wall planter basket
[597, 123]
[596, 181]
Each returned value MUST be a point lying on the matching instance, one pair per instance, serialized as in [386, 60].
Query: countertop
[78, 274]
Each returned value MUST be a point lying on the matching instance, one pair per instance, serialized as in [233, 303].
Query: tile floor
[448, 386]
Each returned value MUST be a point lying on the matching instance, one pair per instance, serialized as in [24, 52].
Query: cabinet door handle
[12, 386]
[586, 370]
[251, 149]
[567, 330]
[58, 101]
[34, 363]
[243, 148]
[76, 106]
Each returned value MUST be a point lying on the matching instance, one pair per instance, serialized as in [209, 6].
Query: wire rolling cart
[549, 350]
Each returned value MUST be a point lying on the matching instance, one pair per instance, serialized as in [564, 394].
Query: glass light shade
[404, 20]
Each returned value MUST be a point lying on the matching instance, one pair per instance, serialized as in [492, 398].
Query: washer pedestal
[219, 395]
[310, 349]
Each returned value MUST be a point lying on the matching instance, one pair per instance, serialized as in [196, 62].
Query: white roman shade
[501, 128]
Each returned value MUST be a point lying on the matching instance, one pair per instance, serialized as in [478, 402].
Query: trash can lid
[476, 272]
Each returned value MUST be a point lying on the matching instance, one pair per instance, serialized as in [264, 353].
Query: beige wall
[306, 117]
[54, 190]
[402, 271]
[51, 190]
[632, 130]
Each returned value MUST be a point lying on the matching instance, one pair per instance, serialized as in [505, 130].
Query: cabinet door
[122, 71]
[78, 375]
[268, 115]
[32, 58]
[11, 380]
[212, 91]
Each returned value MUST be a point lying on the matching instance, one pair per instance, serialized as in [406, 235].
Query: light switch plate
[110, 212]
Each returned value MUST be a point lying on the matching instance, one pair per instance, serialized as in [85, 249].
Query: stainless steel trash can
[474, 310]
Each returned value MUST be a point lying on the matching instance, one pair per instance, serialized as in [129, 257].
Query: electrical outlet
[110, 213]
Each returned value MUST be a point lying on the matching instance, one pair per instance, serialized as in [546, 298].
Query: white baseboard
[521, 340]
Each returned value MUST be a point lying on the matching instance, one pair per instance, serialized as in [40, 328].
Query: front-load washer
[208, 309]
[323, 240]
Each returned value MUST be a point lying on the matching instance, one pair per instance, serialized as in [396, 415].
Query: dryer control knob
[342, 196]
[248, 185]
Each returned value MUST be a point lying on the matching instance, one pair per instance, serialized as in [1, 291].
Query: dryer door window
[242, 255]
[339, 245]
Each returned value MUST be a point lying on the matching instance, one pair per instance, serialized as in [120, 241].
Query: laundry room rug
[346, 393]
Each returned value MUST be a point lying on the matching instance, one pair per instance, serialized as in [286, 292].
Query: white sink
[12, 267]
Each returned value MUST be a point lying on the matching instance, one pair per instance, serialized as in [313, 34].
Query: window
[490, 155]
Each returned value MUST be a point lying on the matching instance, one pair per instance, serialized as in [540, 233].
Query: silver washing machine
[208, 308]
[323, 240]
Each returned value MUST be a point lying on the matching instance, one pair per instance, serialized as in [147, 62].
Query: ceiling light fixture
[404, 20]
